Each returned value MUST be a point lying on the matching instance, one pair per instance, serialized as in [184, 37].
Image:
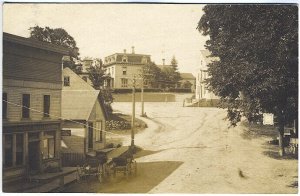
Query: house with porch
[83, 128]
[32, 86]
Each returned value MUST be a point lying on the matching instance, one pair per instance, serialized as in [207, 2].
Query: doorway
[90, 136]
[34, 156]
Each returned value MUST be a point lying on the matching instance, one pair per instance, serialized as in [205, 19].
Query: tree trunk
[281, 133]
[281, 145]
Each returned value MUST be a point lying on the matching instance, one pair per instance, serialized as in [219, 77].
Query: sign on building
[268, 119]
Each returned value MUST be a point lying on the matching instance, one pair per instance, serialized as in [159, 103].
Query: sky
[160, 30]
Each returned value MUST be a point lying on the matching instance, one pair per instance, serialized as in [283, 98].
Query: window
[124, 82]
[48, 145]
[19, 149]
[4, 105]
[66, 80]
[125, 59]
[112, 71]
[8, 150]
[124, 69]
[99, 133]
[26, 105]
[46, 105]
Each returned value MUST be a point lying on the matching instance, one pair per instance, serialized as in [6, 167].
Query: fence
[72, 159]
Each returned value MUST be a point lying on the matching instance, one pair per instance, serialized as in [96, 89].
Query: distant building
[123, 67]
[201, 90]
[32, 78]
[85, 64]
[188, 81]
[84, 127]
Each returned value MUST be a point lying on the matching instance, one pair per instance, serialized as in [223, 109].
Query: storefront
[30, 149]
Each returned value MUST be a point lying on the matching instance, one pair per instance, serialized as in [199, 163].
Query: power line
[59, 117]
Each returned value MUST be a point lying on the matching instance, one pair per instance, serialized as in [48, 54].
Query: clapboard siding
[14, 95]
[26, 63]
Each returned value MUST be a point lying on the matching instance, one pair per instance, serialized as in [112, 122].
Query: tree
[257, 71]
[170, 74]
[151, 75]
[58, 37]
[97, 76]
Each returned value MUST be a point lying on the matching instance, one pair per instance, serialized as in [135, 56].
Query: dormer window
[125, 59]
[144, 60]
[66, 80]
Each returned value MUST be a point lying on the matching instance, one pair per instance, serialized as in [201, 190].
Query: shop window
[8, 150]
[99, 132]
[4, 105]
[19, 149]
[26, 105]
[48, 150]
[124, 82]
[66, 80]
[46, 105]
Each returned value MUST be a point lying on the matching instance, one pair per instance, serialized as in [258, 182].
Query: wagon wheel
[100, 173]
[78, 177]
[127, 171]
[134, 168]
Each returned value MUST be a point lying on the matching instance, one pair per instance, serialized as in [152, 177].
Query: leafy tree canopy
[257, 47]
[57, 36]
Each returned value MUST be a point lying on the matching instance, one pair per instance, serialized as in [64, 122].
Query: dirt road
[215, 158]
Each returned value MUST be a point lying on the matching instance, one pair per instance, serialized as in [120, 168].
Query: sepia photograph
[149, 98]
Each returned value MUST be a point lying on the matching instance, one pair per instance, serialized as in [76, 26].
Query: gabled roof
[78, 105]
[78, 99]
[76, 82]
[187, 76]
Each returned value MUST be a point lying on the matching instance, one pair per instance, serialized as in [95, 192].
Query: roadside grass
[111, 140]
[269, 134]
[140, 125]
[253, 131]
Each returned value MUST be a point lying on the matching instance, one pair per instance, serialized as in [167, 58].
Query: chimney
[124, 51]
[132, 49]
[163, 61]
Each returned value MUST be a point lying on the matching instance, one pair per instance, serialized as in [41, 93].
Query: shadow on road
[149, 175]
[272, 152]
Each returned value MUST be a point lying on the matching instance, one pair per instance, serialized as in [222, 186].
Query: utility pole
[133, 114]
[142, 97]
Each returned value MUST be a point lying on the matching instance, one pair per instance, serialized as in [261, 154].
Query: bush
[117, 124]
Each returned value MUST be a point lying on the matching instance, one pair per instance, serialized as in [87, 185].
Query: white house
[123, 67]
[201, 89]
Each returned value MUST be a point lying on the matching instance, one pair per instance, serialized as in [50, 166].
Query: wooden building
[201, 88]
[84, 119]
[32, 84]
